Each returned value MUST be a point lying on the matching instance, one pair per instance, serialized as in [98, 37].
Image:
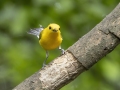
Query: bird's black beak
[54, 30]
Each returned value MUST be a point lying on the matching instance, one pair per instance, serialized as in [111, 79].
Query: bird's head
[54, 28]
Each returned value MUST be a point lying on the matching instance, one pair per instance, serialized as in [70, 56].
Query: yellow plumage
[49, 37]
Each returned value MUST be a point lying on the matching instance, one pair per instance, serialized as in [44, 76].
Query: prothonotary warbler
[49, 38]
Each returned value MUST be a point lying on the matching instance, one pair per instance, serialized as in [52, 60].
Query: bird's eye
[49, 27]
[59, 28]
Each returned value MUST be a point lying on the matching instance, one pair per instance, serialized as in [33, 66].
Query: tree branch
[93, 46]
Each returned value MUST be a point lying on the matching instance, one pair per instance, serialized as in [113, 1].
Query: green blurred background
[21, 54]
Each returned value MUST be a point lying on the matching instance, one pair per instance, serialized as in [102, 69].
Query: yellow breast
[50, 40]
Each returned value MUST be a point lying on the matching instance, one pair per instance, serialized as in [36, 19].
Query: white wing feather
[36, 31]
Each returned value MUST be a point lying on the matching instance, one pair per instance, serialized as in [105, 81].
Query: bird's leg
[47, 55]
[62, 50]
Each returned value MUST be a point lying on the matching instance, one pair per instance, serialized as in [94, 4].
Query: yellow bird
[49, 38]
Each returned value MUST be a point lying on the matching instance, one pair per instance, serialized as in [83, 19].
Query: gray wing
[36, 31]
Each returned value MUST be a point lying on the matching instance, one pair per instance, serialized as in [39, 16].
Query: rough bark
[93, 46]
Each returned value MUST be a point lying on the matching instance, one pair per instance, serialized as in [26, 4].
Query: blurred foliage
[21, 54]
